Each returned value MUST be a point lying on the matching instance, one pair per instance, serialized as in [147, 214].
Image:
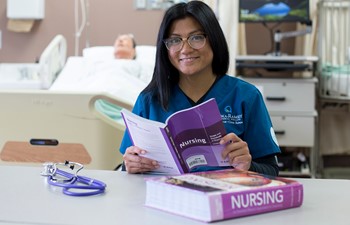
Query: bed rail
[52, 60]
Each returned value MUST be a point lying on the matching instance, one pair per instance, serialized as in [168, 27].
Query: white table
[26, 198]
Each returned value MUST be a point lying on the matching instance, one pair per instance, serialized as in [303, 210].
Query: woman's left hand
[237, 151]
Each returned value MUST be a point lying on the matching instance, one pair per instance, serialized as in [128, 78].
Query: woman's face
[189, 61]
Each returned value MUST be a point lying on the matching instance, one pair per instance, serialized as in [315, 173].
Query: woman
[191, 63]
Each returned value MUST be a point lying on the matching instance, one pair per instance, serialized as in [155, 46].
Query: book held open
[187, 140]
[223, 194]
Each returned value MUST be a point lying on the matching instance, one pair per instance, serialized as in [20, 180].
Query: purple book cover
[196, 133]
[230, 193]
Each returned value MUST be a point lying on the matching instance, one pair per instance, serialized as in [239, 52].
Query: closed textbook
[217, 195]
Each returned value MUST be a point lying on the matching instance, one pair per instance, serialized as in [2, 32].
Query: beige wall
[108, 18]
[259, 40]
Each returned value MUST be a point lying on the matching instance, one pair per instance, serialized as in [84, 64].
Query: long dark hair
[165, 75]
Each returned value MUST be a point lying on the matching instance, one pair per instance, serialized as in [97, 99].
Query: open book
[188, 139]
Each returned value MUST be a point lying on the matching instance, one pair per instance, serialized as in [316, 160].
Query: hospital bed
[74, 120]
[97, 70]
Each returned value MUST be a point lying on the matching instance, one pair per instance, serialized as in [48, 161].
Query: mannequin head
[124, 47]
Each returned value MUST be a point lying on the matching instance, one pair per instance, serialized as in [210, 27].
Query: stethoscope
[69, 181]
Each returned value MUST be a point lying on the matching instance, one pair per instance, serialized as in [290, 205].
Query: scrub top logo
[228, 109]
[228, 117]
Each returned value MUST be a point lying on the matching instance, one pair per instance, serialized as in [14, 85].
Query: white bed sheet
[117, 77]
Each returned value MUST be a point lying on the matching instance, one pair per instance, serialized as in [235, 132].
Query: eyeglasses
[175, 44]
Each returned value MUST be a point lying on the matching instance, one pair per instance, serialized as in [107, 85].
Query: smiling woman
[188, 71]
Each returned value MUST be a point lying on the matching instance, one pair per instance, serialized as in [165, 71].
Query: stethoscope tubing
[97, 186]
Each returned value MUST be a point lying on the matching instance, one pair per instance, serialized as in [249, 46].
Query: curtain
[333, 50]
[307, 44]
[228, 17]
[331, 30]
[227, 14]
[213, 4]
[334, 32]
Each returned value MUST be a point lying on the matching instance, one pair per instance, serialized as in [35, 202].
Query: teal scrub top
[242, 109]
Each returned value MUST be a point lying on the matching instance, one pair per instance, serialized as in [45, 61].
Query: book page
[149, 135]
[196, 133]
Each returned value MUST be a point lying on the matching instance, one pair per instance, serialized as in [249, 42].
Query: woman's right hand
[135, 163]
